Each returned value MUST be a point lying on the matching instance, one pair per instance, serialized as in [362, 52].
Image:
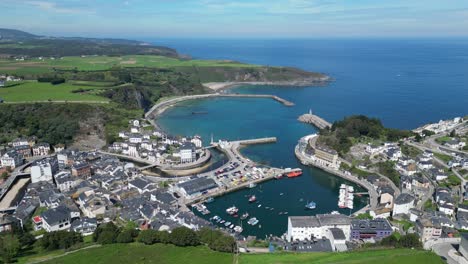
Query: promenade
[310, 161]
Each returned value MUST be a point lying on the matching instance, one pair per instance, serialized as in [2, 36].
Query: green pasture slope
[33, 91]
[94, 63]
[160, 253]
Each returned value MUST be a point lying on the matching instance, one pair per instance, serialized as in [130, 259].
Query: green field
[93, 63]
[32, 91]
[400, 256]
[160, 253]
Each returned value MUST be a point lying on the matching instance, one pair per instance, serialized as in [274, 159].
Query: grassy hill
[160, 253]
[33, 91]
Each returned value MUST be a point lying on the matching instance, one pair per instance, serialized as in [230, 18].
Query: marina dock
[315, 120]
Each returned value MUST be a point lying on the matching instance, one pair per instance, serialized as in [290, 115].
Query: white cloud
[54, 7]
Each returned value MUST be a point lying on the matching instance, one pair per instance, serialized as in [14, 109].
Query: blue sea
[405, 83]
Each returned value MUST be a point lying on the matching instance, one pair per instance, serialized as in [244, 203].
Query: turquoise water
[405, 83]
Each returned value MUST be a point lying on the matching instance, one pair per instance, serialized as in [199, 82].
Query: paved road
[442, 250]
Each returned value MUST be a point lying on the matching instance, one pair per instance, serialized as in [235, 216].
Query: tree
[9, 247]
[106, 233]
[453, 133]
[390, 241]
[147, 237]
[26, 239]
[224, 243]
[183, 236]
[410, 241]
[60, 240]
[208, 236]
[125, 236]
[4, 175]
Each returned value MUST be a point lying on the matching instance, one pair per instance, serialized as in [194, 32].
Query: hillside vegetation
[343, 133]
[62, 123]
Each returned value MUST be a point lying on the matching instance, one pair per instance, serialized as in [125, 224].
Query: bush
[148, 237]
[183, 236]
[224, 244]
[9, 247]
[106, 233]
[126, 236]
[60, 240]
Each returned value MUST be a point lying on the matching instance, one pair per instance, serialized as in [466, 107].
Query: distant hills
[19, 43]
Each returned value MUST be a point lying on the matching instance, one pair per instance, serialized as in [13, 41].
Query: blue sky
[238, 18]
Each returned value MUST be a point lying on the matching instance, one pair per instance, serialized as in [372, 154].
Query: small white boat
[259, 206]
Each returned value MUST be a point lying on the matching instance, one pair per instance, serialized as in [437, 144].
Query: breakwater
[160, 107]
[315, 120]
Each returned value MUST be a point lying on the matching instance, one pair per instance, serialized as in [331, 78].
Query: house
[386, 196]
[56, 219]
[455, 143]
[187, 153]
[301, 228]
[24, 150]
[374, 149]
[370, 229]
[20, 142]
[44, 170]
[85, 226]
[7, 223]
[438, 174]
[11, 159]
[81, 169]
[41, 149]
[197, 141]
[403, 203]
[2, 83]
[337, 239]
[420, 182]
[140, 184]
[92, 205]
[65, 182]
[428, 229]
[463, 248]
[415, 214]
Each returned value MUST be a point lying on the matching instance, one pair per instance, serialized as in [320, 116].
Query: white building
[44, 170]
[197, 141]
[56, 219]
[187, 153]
[318, 226]
[403, 203]
[11, 159]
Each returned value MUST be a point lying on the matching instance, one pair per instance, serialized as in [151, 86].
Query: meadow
[33, 91]
[161, 253]
[95, 63]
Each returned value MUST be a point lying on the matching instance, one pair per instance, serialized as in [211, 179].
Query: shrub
[183, 236]
[126, 236]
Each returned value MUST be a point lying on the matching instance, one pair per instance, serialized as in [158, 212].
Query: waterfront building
[196, 186]
[325, 155]
[370, 229]
[403, 203]
[318, 226]
[187, 152]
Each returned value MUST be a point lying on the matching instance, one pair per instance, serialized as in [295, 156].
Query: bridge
[315, 120]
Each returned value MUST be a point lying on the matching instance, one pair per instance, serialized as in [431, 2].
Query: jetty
[315, 120]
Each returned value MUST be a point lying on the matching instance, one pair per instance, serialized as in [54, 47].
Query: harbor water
[405, 83]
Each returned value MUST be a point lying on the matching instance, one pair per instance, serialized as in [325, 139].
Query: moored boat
[310, 205]
[244, 216]
[294, 173]
[252, 199]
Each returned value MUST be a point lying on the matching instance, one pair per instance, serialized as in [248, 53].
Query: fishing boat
[252, 185]
[238, 229]
[222, 221]
[253, 221]
[209, 200]
[232, 210]
[231, 226]
[227, 224]
[291, 173]
[252, 199]
[310, 205]
[244, 216]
